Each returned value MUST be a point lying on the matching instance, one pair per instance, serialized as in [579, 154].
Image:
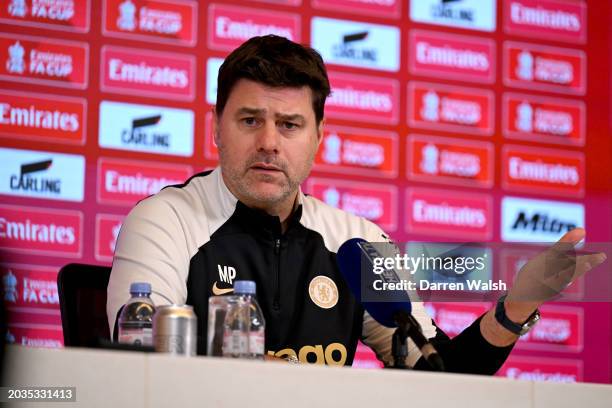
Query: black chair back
[82, 295]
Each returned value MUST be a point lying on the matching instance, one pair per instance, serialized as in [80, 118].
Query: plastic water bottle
[235, 318]
[256, 322]
[136, 318]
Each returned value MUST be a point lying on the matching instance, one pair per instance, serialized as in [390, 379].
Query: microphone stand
[408, 326]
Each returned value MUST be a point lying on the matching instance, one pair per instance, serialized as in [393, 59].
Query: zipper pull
[277, 245]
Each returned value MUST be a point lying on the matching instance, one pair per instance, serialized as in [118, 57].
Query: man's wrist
[519, 311]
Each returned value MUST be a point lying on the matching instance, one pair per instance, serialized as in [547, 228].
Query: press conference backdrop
[468, 119]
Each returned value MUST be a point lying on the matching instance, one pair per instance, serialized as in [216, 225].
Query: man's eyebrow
[290, 117]
[250, 111]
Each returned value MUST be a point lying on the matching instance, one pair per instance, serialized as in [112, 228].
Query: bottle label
[235, 343]
[139, 337]
[257, 342]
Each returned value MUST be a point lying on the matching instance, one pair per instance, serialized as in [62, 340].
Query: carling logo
[561, 329]
[146, 128]
[450, 161]
[66, 15]
[107, 232]
[356, 44]
[381, 8]
[553, 19]
[363, 98]
[358, 151]
[449, 214]
[43, 61]
[540, 119]
[36, 174]
[48, 118]
[34, 335]
[212, 71]
[139, 72]
[527, 220]
[230, 26]
[44, 231]
[452, 56]
[453, 318]
[126, 182]
[151, 20]
[542, 369]
[375, 202]
[471, 14]
[31, 286]
[543, 171]
[546, 68]
[443, 107]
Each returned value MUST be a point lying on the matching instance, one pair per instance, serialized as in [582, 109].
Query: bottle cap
[140, 287]
[245, 287]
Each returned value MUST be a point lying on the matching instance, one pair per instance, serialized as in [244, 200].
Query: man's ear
[320, 129]
[215, 126]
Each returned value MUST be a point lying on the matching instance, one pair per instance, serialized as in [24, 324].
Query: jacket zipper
[276, 302]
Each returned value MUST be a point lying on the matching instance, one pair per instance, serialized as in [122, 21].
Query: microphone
[355, 260]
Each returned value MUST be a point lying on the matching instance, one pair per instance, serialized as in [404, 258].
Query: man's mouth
[266, 168]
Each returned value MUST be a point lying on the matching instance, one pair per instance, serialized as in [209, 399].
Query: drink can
[175, 330]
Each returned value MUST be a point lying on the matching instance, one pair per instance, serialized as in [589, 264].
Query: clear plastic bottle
[235, 317]
[136, 318]
[256, 324]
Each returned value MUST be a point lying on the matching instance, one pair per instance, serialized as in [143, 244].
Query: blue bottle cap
[245, 287]
[140, 287]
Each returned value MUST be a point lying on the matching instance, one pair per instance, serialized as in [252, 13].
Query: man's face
[267, 139]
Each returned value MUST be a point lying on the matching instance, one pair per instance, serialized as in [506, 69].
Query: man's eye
[290, 125]
[249, 121]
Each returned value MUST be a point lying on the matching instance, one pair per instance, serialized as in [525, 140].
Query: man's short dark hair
[277, 62]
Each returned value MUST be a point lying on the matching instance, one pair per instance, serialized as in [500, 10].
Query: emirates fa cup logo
[524, 117]
[127, 16]
[429, 163]
[15, 63]
[431, 107]
[524, 70]
[10, 287]
[17, 8]
[331, 154]
[331, 196]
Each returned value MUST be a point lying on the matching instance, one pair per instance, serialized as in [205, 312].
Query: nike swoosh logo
[218, 291]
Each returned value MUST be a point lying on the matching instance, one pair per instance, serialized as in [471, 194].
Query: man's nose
[268, 138]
